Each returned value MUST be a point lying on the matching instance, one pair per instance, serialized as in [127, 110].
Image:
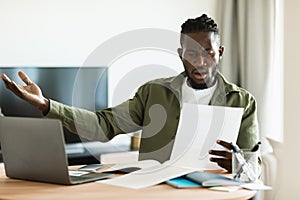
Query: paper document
[147, 177]
[77, 173]
[199, 128]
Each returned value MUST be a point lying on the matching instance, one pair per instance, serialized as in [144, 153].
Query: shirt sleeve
[249, 132]
[104, 124]
[82, 122]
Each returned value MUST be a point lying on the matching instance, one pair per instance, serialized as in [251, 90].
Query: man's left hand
[224, 158]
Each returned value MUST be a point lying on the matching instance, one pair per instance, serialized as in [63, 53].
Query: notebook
[34, 149]
[181, 182]
[202, 179]
[207, 179]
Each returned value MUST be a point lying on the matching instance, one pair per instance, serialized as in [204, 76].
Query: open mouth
[199, 74]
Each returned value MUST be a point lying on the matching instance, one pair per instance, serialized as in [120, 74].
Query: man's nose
[200, 60]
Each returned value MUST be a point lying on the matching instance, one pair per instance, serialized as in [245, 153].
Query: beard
[198, 86]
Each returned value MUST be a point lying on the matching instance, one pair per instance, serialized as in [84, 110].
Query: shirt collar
[219, 98]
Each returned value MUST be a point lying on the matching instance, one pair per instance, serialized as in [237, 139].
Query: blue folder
[182, 182]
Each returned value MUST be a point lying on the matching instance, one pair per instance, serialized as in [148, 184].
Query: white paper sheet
[199, 128]
[148, 176]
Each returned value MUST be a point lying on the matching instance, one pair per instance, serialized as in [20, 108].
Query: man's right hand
[30, 92]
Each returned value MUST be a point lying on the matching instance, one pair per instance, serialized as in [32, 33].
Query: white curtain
[252, 33]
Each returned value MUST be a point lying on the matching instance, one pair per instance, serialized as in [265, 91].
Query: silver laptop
[34, 149]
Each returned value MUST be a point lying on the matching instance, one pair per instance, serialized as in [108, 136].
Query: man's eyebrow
[198, 49]
[191, 49]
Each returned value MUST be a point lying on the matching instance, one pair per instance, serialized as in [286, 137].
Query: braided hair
[201, 24]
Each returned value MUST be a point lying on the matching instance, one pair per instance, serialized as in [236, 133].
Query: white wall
[66, 32]
[290, 160]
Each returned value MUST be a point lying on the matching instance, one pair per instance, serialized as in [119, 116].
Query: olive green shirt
[155, 109]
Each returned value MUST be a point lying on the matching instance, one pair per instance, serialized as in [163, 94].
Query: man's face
[200, 54]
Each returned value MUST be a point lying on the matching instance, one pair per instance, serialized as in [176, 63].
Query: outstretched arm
[29, 92]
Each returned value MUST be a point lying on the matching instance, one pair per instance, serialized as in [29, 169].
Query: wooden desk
[18, 189]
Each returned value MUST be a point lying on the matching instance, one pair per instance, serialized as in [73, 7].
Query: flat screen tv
[84, 87]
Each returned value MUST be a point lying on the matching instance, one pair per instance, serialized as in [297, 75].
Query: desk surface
[18, 189]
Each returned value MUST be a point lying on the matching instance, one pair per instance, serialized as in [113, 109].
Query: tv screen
[83, 87]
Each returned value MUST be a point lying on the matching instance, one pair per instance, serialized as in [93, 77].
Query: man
[155, 108]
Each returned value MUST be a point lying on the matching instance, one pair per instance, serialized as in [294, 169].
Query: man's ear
[179, 51]
[221, 51]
